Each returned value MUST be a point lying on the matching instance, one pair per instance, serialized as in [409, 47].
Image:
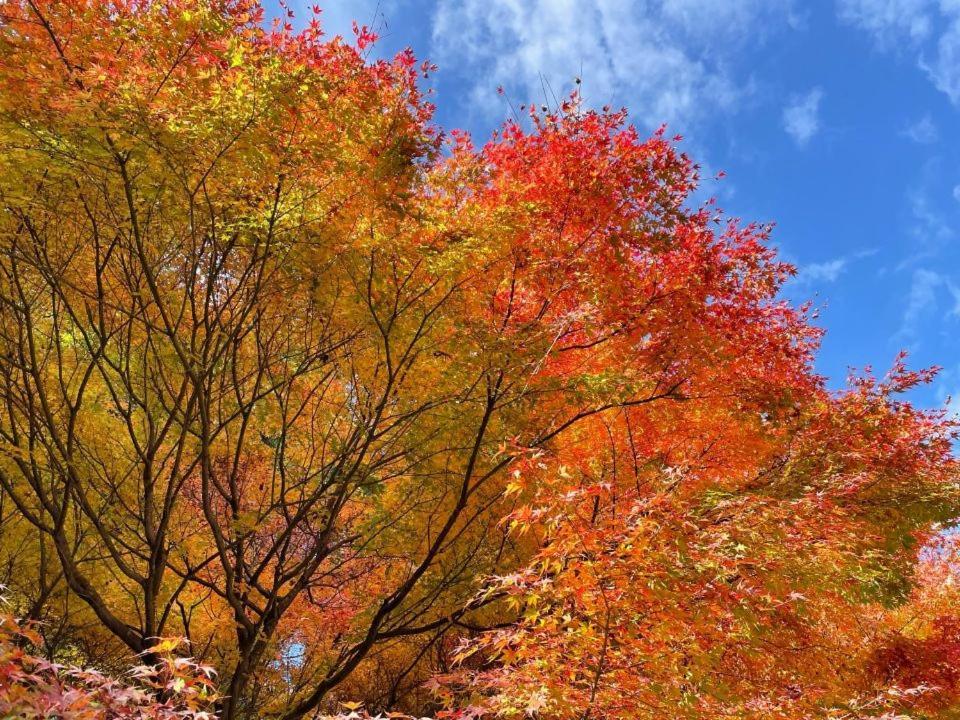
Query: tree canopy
[374, 417]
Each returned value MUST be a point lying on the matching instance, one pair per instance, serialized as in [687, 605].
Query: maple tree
[375, 418]
[775, 590]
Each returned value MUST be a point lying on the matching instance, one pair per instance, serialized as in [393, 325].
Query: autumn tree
[800, 580]
[224, 379]
[343, 400]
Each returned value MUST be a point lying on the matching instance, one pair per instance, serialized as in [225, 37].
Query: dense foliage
[379, 420]
[31, 686]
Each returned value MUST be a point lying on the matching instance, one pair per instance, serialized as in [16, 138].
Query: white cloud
[823, 272]
[956, 193]
[930, 28]
[944, 69]
[923, 131]
[889, 21]
[719, 19]
[926, 287]
[829, 271]
[801, 117]
[930, 227]
[669, 60]
[921, 298]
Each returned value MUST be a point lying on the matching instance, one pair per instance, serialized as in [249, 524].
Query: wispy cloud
[923, 131]
[944, 67]
[669, 60]
[929, 224]
[823, 272]
[928, 28]
[930, 227]
[801, 116]
[889, 21]
[924, 299]
[829, 271]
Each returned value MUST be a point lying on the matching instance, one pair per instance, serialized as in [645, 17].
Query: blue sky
[835, 119]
